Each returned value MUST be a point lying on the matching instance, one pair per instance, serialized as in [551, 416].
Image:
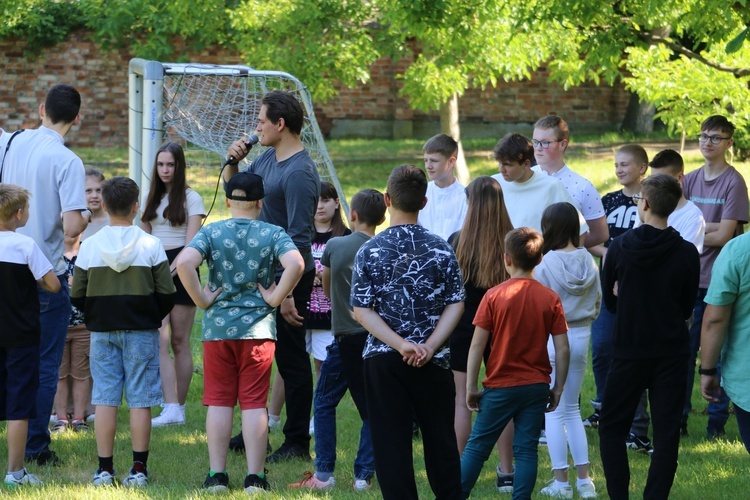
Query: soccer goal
[205, 108]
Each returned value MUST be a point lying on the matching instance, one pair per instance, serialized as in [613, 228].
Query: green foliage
[42, 23]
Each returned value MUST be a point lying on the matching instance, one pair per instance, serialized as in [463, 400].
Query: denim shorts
[129, 361]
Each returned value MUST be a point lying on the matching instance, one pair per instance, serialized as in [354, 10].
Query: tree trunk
[449, 126]
[639, 117]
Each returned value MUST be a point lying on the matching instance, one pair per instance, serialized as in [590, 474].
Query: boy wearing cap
[239, 325]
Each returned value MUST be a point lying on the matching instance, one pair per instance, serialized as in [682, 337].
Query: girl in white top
[173, 213]
[572, 273]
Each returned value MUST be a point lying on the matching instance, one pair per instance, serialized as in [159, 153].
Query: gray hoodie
[575, 278]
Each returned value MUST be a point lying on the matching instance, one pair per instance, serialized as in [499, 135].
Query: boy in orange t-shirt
[516, 317]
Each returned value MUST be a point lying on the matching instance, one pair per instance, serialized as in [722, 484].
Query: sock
[261, 475]
[62, 420]
[107, 463]
[140, 460]
[501, 473]
[560, 484]
[273, 418]
[77, 421]
[212, 473]
[323, 476]
[586, 480]
[18, 474]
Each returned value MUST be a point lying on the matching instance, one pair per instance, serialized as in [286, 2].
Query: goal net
[205, 108]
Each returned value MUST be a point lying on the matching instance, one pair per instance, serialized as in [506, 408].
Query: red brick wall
[102, 79]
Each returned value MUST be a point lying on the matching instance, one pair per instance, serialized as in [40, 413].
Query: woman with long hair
[479, 246]
[572, 273]
[173, 213]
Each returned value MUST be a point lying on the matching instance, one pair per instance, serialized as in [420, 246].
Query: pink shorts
[237, 370]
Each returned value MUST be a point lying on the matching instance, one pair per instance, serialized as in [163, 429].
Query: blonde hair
[12, 199]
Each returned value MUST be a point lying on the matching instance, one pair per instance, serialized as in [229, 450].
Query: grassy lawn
[179, 458]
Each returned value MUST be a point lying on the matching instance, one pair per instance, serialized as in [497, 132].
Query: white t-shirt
[39, 161]
[446, 209]
[689, 222]
[585, 196]
[526, 201]
[174, 236]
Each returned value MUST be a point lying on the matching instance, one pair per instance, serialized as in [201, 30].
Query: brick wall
[102, 79]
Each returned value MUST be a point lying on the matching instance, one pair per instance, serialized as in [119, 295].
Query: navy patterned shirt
[622, 212]
[408, 275]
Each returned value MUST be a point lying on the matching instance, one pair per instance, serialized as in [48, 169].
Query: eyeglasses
[543, 144]
[638, 197]
[715, 139]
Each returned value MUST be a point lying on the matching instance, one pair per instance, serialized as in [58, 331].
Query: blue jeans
[524, 404]
[602, 331]
[718, 413]
[743, 423]
[54, 317]
[332, 385]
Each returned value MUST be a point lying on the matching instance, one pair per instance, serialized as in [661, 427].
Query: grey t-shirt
[338, 256]
[292, 188]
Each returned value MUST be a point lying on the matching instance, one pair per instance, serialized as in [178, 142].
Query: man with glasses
[719, 190]
[550, 140]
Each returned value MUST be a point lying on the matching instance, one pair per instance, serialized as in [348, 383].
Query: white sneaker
[27, 478]
[362, 484]
[136, 480]
[554, 491]
[103, 478]
[172, 414]
[53, 418]
[586, 489]
[543, 437]
[311, 430]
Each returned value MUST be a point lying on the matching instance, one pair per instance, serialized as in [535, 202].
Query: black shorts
[19, 382]
[181, 297]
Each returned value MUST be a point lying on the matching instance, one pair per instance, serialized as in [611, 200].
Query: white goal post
[206, 107]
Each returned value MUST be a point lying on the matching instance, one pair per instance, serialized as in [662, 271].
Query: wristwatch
[707, 371]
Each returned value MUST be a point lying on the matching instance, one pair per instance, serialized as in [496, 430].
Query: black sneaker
[217, 483]
[504, 482]
[288, 452]
[684, 430]
[592, 421]
[641, 444]
[46, 457]
[256, 484]
[237, 443]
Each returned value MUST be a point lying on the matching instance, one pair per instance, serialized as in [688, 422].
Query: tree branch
[737, 72]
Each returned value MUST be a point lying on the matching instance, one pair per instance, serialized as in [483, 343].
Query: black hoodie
[657, 274]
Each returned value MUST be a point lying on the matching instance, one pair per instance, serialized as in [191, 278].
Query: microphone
[251, 141]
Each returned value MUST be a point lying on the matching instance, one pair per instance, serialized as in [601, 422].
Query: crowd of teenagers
[520, 271]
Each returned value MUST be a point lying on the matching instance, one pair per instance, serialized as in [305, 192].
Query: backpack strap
[7, 147]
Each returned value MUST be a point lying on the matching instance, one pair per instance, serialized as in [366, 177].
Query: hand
[614, 289]
[238, 150]
[317, 281]
[289, 312]
[554, 399]
[472, 399]
[711, 388]
[208, 297]
[411, 353]
[267, 294]
[425, 356]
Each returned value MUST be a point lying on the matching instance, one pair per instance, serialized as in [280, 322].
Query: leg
[182, 319]
[218, 433]
[61, 397]
[718, 412]
[277, 395]
[695, 342]
[387, 388]
[81, 391]
[639, 427]
[626, 382]
[743, 423]
[505, 448]
[294, 364]
[16, 430]
[166, 363]
[667, 398]
[140, 428]
[255, 434]
[601, 349]
[433, 397]
[106, 426]
[461, 414]
[527, 422]
[80, 372]
[55, 314]
[329, 390]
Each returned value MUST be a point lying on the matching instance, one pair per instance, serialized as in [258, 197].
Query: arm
[327, 281]
[74, 222]
[49, 282]
[473, 362]
[146, 226]
[373, 323]
[713, 332]
[294, 266]
[447, 323]
[609, 279]
[186, 263]
[193, 226]
[562, 361]
[598, 232]
[719, 233]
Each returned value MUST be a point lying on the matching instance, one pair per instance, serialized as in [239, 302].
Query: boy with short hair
[621, 211]
[446, 206]
[517, 318]
[656, 274]
[23, 266]
[550, 140]
[719, 191]
[343, 367]
[239, 329]
[123, 285]
[407, 291]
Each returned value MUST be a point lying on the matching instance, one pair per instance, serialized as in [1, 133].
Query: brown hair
[662, 192]
[524, 246]
[481, 242]
[514, 147]
[119, 195]
[369, 205]
[668, 159]
[12, 199]
[637, 152]
[328, 192]
[553, 122]
[441, 144]
[718, 122]
[407, 187]
[176, 211]
[560, 225]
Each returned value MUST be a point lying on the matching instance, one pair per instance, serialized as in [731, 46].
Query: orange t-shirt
[519, 314]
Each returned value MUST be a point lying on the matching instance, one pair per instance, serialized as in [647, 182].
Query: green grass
[179, 458]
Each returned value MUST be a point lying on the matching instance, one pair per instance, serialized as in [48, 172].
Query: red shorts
[237, 370]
